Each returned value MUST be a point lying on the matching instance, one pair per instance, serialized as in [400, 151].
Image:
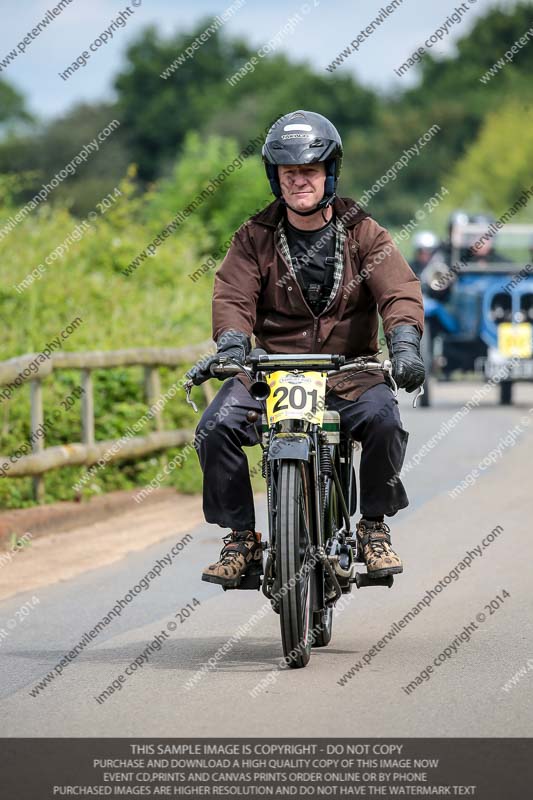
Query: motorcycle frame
[342, 477]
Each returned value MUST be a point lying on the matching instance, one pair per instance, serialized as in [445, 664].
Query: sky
[319, 31]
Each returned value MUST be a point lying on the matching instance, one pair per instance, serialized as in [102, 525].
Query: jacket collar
[345, 208]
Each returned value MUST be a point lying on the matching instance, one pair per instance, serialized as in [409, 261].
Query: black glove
[234, 344]
[404, 350]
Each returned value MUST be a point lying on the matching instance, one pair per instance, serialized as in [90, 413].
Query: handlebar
[260, 361]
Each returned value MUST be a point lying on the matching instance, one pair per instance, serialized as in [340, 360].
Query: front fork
[317, 550]
[269, 470]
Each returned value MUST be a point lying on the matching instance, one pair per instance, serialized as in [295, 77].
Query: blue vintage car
[478, 301]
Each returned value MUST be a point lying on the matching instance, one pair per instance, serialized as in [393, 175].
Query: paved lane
[462, 697]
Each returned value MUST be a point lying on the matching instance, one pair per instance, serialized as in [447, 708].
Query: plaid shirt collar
[340, 237]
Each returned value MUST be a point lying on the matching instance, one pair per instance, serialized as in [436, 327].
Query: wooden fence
[89, 451]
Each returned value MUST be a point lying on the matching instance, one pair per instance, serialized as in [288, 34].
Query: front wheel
[293, 544]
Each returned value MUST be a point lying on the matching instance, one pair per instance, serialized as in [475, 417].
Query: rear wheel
[323, 619]
[322, 627]
[294, 539]
[506, 393]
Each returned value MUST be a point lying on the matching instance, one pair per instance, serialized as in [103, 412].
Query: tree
[451, 95]
[159, 112]
[497, 166]
[477, 50]
[12, 105]
[43, 150]
[231, 198]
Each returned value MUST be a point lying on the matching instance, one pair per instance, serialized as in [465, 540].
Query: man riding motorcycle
[308, 274]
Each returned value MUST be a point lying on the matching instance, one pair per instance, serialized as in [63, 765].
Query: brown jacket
[257, 292]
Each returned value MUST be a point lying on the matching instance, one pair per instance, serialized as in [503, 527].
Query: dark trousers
[373, 419]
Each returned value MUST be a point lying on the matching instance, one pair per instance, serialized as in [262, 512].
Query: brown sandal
[240, 548]
[379, 557]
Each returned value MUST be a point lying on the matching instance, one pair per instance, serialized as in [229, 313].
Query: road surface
[482, 688]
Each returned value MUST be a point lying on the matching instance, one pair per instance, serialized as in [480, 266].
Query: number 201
[292, 394]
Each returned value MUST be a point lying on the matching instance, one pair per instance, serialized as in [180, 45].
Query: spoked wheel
[294, 541]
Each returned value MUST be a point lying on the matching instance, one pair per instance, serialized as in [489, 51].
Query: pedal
[251, 579]
[362, 579]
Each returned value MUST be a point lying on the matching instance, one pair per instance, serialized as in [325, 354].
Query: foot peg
[362, 579]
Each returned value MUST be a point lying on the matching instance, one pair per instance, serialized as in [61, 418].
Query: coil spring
[326, 464]
[326, 467]
[265, 464]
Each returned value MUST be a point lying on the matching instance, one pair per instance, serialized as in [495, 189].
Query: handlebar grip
[256, 352]
[223, 370]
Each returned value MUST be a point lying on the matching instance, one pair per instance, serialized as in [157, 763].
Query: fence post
[152, 393]
[87, 407]
[37, 442]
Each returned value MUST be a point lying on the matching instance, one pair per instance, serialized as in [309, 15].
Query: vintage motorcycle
[308, 465]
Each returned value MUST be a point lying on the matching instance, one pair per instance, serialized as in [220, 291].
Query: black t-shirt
[313, 257]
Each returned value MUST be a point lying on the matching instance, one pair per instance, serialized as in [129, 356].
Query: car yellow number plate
[515, 339]
[296, 395]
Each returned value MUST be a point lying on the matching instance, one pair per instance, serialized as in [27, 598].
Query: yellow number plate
[296, 396]
[515, 340]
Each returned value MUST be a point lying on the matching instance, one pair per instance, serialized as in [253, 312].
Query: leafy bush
[157, 305]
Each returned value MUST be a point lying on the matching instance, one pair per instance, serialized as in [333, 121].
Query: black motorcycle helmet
[303, 137]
